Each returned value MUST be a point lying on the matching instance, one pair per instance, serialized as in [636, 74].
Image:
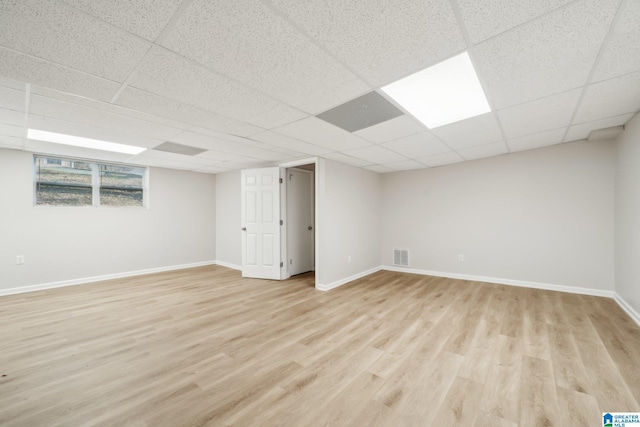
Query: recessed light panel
[77, 141]
[172, 147]
[444, 93]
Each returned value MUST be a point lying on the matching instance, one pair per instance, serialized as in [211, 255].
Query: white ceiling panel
[376, 154]
[12, 99]
[582, 130]
[477, 130]
[42, 147]
[12, 130]
[546, 56]
[145, 18]
[49, 30]
[382, 41]
[163, 155]
[47, 74]
[212, 143]
[621, 53]
[284, 63]
[347, 160]
[379, 169]
[483, 151]
[12, 117]
[11, 142]
[543, 114]
[170, 75]
[422, 144]
[11, 83]
[283, 141]
[162, 163]
[391, 129]
[323, 134]
[538, 140]
[405, 165]
[442, 159]
[488, 18]
[218, 157]
[609, 98]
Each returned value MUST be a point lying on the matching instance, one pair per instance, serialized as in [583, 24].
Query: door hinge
[281, 222]
[281, 264]
[280, 180]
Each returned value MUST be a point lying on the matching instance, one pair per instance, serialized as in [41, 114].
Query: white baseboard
[341, 282]
[521, 283]
[228, 265]
[627, 307]
[53, 285]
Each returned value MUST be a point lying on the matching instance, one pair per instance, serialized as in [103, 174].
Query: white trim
[627, 307]
[341, 282]
[229, 265]
[520, 283]
[53, 285]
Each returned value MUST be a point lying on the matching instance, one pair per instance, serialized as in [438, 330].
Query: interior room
[272, 212]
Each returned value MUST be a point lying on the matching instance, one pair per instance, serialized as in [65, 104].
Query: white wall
[544, 216]
[348, 223]
[63, 244]
[228, 224]
[627, 230]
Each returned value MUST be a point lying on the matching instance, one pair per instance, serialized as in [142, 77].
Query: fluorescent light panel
[444, 93]
[77, 141]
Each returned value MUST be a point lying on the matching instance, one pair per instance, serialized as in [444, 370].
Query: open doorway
[300, 219]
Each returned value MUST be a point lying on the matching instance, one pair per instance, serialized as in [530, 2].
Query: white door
[300, 221]
[260, 216]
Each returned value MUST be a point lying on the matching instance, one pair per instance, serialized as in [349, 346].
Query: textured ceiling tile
[11, 117]
[219, 156]
[541, 139]
[379, 169]
[259, 48]
[146, 18]
[348, 160]
[46, 74]
[12, 84]
[612, 97]
[470, 132]
[15, 131]
[382, 41]
[11, 142]
[405, 165]
[422, 144]
[323, 134]
[56, 32]
[145, 160]
[490, 17]
[546, 56]
[442, 159]
[621, 53]
[582, 130]
[482, 151]
[170, 75]
[210, 142]
[375, 154]
[540, 115]
[283, 141]
[12, 99]
[391, 129]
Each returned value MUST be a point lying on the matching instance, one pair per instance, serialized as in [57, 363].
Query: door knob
[309, 228]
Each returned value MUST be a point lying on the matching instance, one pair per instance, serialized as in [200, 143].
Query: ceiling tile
[211, 143]
[56, 32]
[12, 84]
[391, 129]
[612, 97]
[543, 114]
[145, 18]
[171, 109]
[283, 62]
[164, 155]
[379, 169]
[11, 117]
[442, 159]
[620, 55]
[348, 160]
[582, 130]
[11, 142]
[12, 130]
[546, 56]
[538, 140]
[218, 156]
[382, 41]
[47, 74]
[482, 151]
[375, 154]
[283, 141]
[163, 163]
[170, 75]
[422, 144]
[323, 134]
[477, 130]
[405, 165]
[491, 17]
[50, 148]
[12, 99]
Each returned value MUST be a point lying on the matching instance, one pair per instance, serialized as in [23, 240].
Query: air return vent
[401, 257]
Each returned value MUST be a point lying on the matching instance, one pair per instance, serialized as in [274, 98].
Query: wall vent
[401, 257]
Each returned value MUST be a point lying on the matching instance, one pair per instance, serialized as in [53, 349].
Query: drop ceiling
[244, 80]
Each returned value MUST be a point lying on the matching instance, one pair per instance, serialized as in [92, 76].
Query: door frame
[287, 230]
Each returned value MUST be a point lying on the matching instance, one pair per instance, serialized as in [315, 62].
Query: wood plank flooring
[203, 347]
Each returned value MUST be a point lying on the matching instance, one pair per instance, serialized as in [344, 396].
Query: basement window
[75, 182]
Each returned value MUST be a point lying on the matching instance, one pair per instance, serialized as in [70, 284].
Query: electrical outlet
[460, 258]
[19, 259]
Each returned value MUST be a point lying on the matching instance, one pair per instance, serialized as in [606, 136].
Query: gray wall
[228, 234]
[544, 216]
[628, 215]
[65, 243]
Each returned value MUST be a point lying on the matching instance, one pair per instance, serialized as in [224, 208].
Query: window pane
[63, 182]
[121, 185]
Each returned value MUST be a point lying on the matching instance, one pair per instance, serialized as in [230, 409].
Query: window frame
[95, 166]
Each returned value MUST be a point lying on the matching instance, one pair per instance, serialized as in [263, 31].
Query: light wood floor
[205, 347]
